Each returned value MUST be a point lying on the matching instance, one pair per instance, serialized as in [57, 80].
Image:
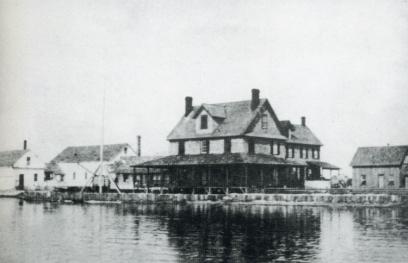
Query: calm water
[45, 232]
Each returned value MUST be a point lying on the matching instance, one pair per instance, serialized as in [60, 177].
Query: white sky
[342, 64]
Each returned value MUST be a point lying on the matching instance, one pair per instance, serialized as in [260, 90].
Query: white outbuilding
[21, 169]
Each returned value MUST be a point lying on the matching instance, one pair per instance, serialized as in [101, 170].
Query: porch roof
[217, 159]
[324, 165]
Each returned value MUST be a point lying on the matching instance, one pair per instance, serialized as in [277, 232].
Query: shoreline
[323, 199]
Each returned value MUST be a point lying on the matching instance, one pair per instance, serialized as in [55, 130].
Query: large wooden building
[384, 167]
[239, 146]
[76, 165]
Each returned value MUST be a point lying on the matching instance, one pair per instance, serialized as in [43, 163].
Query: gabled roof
[216, 111]
[76, 154]
[214, 159]
[380, 156]
[9, 158]
[302, 135]
[238, 119]
[238, 116]
[125, 163]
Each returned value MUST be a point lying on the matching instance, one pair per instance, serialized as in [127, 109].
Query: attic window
[28, 160]
[264, 121]
[125, 150]
[205, 146]
[204, 122]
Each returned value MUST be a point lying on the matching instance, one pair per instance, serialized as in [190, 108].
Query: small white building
[21, 169]
[74, 166]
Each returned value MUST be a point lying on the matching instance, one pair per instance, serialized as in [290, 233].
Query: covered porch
[223, 174]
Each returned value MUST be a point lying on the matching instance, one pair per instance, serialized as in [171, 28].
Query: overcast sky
[342, 64]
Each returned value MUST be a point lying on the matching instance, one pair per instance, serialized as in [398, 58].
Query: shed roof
[379, 156]
[125, 164]
[76, 154]
[9, 158]
[324, 165]
[214, 159]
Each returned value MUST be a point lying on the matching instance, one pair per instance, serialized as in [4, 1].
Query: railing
[401, 191]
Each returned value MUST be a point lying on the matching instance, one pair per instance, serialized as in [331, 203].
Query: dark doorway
[21, 182]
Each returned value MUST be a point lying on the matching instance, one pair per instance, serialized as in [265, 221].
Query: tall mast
[101, 153]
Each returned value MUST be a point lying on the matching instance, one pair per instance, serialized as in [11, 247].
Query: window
[275, 148]
[86, 176]
[363, 183]
[303, 152]
[204, 122]
[290, 151]
[47, 177]
[35, 177]
[205, 146]
[391, 180]
[227, 145]
[73, 176]
[28, 160]
[264, 121]
[251, 146]
[181, 148]
[125, 178]
[125, 150]
[316, 153]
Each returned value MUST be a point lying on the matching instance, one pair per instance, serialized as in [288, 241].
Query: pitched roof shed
[76, 154]
[379, 156]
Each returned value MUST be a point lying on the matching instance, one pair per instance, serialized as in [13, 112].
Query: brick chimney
[189, 106]
[303, 121]
[139, 146]
[25, 145]
[255, 99]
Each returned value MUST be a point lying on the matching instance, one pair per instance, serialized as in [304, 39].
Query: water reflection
[49, 232]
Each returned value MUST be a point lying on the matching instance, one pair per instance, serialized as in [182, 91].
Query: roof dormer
[208, 117]
[205, 124]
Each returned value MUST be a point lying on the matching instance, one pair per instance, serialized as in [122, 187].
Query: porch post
[148, 179]
[227, 182]
[209, 175]
[161, 180]
[262, 178]
[246, 178]
[134, 178]
[193, 177]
